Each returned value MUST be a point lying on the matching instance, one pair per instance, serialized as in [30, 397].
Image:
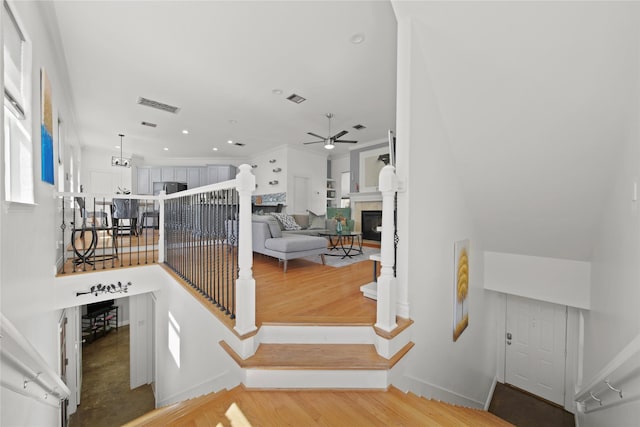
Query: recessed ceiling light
[166, 149]
[277, 91]
[215, 148]
[185, 131]
[229, 142]
[118, 147]
[357, 38]
[233, 121]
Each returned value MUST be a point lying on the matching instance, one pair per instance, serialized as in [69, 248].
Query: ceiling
[221, 62]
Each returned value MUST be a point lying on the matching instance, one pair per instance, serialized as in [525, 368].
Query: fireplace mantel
[374, 196]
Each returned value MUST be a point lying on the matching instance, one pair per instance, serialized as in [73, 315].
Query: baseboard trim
[210, 385]
[432, 391]
[490, 396]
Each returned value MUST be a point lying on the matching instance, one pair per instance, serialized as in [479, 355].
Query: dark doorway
[371, 220]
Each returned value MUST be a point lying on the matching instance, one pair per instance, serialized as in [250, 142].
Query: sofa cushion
[296, 243]
[316, 222]
[274, 227]
[287, 221]
[302, 220]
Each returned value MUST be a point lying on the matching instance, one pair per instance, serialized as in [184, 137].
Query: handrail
[106, 196]
[20, 354]
[607, 388]
[226, 185]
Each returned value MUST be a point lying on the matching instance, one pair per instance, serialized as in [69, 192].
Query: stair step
[317, 357]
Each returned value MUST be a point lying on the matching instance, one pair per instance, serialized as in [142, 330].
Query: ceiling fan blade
[343, 141]
[316, 135]
[313, 142]
[339, 134]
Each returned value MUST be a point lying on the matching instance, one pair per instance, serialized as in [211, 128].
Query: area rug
[338, 261]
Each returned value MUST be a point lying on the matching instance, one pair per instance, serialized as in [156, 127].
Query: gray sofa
[269, 239]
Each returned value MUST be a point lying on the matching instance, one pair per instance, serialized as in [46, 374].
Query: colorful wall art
[460, 288]
[46, 129]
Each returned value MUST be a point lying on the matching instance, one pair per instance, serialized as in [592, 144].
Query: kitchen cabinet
[168, 174]
[180, 174]
[193, 177]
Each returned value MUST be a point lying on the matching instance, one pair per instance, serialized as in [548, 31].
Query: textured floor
[106, 399]
[524, 410]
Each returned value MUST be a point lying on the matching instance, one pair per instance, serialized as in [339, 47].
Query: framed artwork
[460, 288]
[46, 130]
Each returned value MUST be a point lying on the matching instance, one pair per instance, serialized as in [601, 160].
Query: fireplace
[371, 220]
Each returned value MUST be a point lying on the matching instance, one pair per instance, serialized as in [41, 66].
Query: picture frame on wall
[46, 130]
[460, 288]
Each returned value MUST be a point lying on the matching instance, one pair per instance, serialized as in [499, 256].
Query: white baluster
[245, 285]
[387, 283]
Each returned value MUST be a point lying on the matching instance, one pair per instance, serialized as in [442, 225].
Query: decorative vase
[339, 227]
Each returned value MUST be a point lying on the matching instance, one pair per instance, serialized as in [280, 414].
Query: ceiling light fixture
[215, 148]
[357, 38]
[230, 142]
[185, 131]
[277, 91]
[120, 161]
[166, 148]
[329, 145]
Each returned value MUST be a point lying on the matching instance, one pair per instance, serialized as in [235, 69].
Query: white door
[535, 347]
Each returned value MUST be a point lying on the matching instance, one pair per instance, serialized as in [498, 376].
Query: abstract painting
[46, 129]
[460, 288]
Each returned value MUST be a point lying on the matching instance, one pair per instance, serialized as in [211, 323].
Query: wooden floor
[245, 407]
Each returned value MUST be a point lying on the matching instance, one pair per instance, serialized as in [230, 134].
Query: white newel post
[161, 234]
[245, 285]
[387, 286]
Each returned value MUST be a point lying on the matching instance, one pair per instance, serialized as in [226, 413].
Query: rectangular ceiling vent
[151, 125]
[239, 144]
[296, 98]
[359, 127]
[158, 105]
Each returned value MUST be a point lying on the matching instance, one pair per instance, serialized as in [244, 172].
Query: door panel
[535, 353]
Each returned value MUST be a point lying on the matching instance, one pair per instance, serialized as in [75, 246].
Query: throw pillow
[287, 221]
[316, 222]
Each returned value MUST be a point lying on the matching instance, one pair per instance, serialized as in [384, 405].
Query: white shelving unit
[331, 192]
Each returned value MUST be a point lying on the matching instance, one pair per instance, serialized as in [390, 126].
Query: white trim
[432, 391]
[374, 196]
[210, 385]
[487, 402]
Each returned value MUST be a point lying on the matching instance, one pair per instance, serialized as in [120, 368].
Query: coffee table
[348, 243]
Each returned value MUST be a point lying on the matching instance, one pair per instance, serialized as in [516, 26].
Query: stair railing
[27, 373]
[617, 383]
[387, 282]
[207, 242]
[96, 236]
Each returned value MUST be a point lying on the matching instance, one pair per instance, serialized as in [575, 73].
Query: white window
[345, 189]
[18, 148]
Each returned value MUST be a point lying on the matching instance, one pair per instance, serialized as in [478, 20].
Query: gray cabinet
[180, 174]
[220, 173]
[156, 175]
[193, 177]
[144, 181]
[168, 174]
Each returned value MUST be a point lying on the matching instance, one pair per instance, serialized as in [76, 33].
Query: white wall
[614, 319]
[559, 281]
[29, 232]
[462, 371]
[264, 171]
[98, 176]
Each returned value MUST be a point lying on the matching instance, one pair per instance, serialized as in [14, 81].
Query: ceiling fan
[330, 141]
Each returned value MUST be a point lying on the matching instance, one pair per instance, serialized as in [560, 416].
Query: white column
[245, 285]
[161, 234]
[387, 284]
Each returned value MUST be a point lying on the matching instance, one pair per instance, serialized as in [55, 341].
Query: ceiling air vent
[151, 125]
[359, 127]
[239, 144]
[296, 98]
[158, 105]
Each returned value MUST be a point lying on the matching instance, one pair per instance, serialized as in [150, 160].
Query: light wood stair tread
[318, 408]
[317, 357]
